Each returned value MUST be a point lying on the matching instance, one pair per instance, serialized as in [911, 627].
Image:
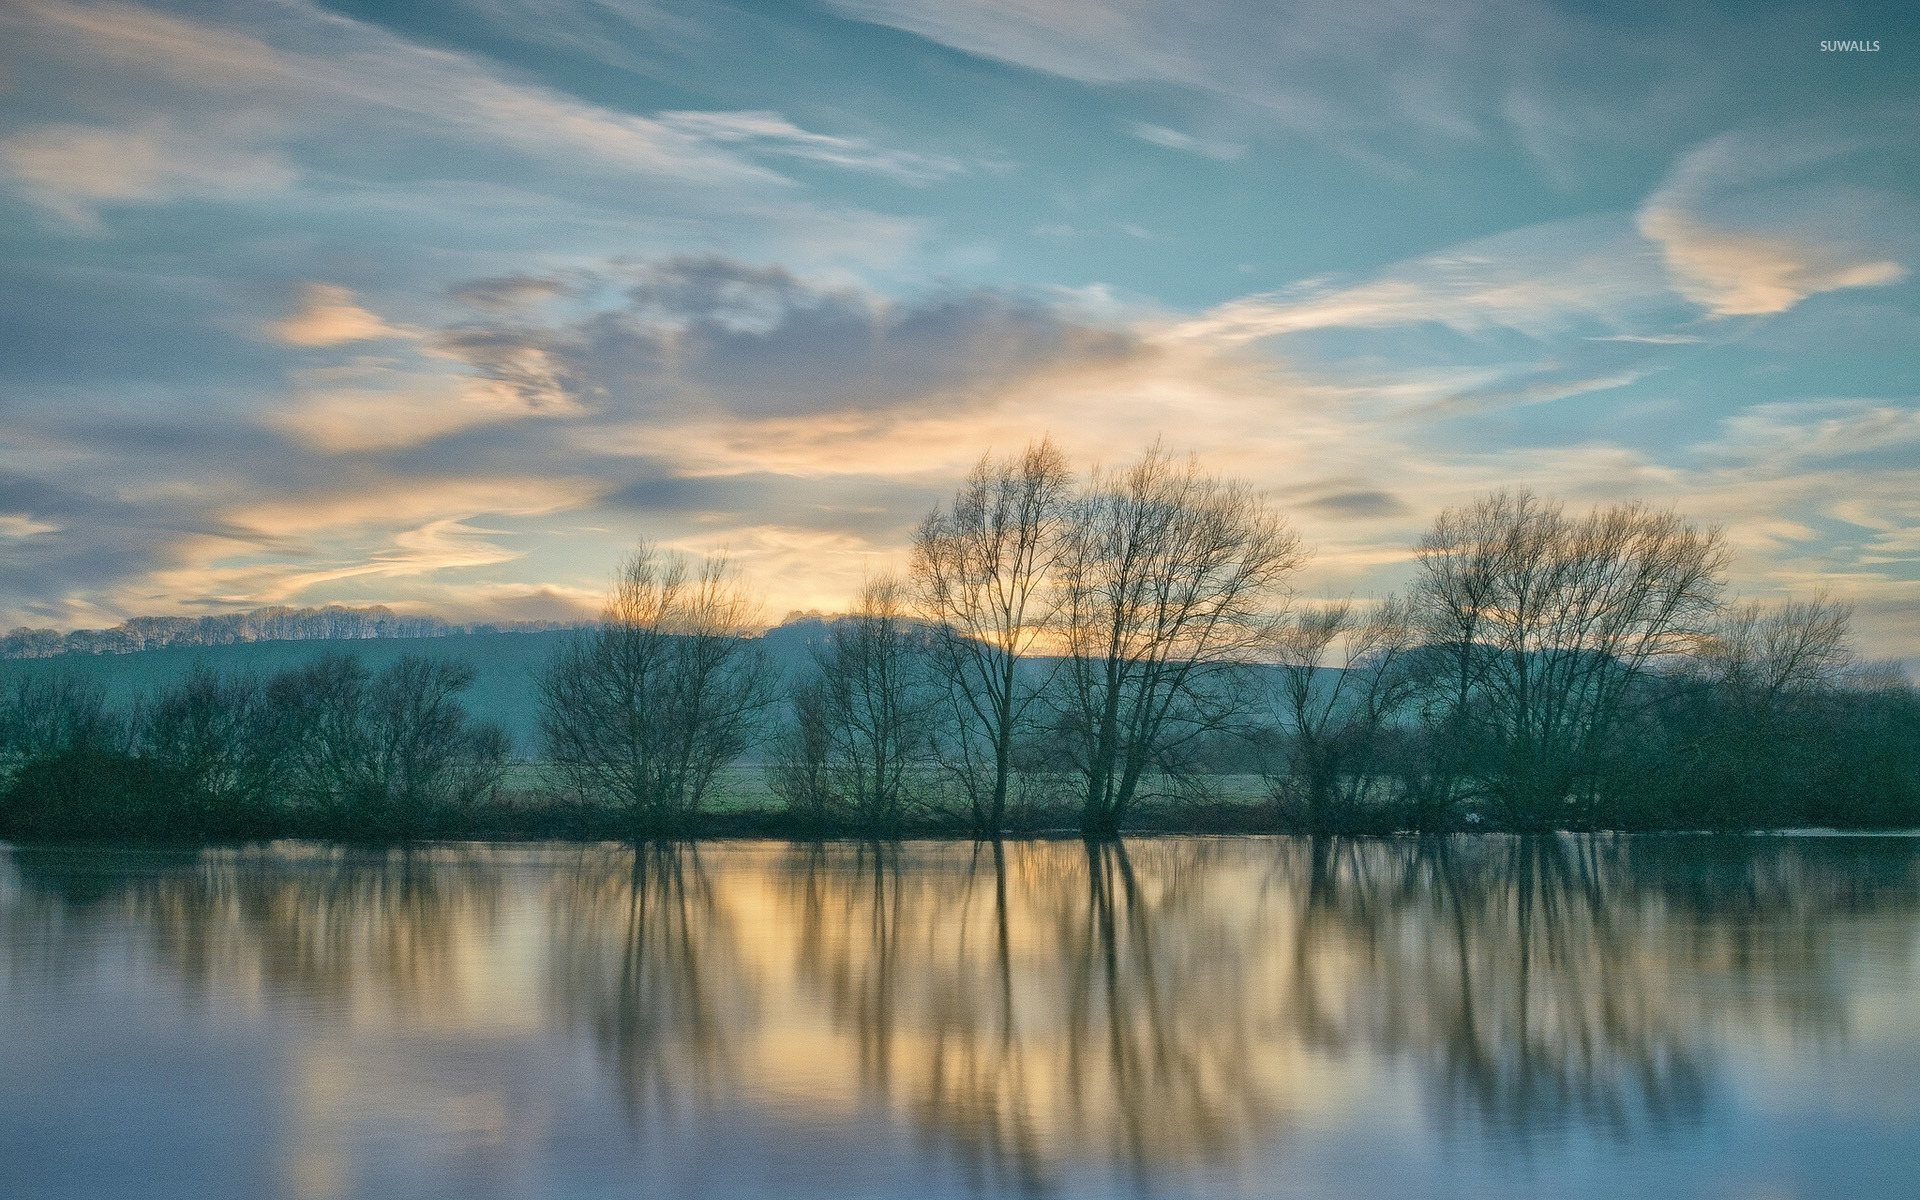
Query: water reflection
[1037, 1011]
[646, 960]
[1528, 996]
[338, 929]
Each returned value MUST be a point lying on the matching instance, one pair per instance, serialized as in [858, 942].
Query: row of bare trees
[1549, 670]
[1081, 650]
[327, 748]
[1122, 618]
[1084, 646]
[1117, 623]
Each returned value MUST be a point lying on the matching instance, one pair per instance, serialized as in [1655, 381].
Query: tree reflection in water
[1522, 986]
[333, 928]
[645, 958]
[1035, 1010]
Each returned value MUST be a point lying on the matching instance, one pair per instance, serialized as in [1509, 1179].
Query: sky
[446, 306]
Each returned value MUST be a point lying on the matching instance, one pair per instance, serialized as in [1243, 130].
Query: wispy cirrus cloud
[247, 96]
[1276, 57]
[1383, 83]
[308, 66]
[771, 133]
[378, 404]
[1769, 253]
[1173, 139]
[1539, 281]
[71, 168]
[1651, 339]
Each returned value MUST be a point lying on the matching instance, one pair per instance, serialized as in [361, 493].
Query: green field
[743, 788]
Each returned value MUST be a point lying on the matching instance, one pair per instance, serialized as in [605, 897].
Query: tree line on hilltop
[276, 624]
[1092, 653]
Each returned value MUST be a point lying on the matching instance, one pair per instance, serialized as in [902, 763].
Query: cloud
[373, 405]
[369, 527]
[704, 401]
[1363, 505]
[1741, 274]
[366, 159]
[714, 336]
[1173, 139]
[808, 424]
[629, 34]
[1380, 83]
[246, 90]
[327, 316]
[441, 545]
[71, 168]
[83, 550]
[1785, 436]
[1545, 387]
[507, 292]
[1538, 280]
[1285, 59]
[1651, 339]
[308, 63]
[1771, 256]
[22, 525]
[772, 133]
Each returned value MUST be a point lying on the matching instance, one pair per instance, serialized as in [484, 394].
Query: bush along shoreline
[1114, 653]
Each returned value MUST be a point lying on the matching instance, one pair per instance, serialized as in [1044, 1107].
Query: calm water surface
[1734, 1017]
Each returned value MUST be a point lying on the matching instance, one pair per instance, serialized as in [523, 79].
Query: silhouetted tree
[213, 735]
[797, 770]
[980, 570]
[862, 722]
[43, 717]
[66, 767]
[1550, 623]
[1752, 728]
[386, 755]
[1334, 716]
[428, 755]
[643, 711]
[1171, 585]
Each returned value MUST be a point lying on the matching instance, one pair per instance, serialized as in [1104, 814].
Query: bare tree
[388, 754]
[980, 570]
[316, 724]
[212, 733]
[1552, 621]
[862, 722]
[1461, 559]
[1172, 583]
[798, 771]
[1752, 731]
[644, 710]
[48, 716]
[1334, 714]
[1766, 652]
[427, 754]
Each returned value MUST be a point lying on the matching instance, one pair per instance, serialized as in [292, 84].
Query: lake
[1473, 1017]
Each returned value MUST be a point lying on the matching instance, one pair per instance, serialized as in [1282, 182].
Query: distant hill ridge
[276, 624]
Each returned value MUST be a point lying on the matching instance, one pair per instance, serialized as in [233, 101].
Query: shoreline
[849, 837]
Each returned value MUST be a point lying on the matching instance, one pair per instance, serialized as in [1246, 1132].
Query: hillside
[507, 664]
